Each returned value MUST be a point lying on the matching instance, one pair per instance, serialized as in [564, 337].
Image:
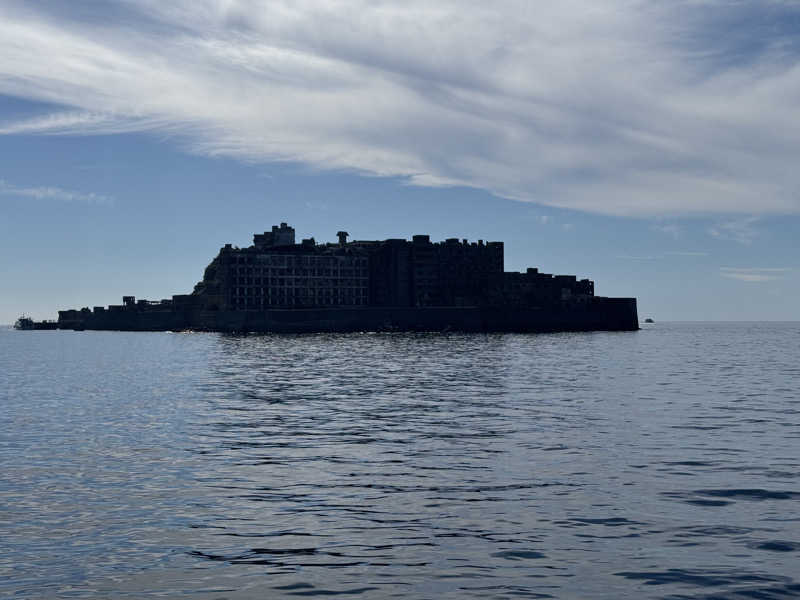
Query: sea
[661, 463]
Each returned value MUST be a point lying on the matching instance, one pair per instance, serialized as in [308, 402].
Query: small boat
[649, 320]
[24, 323]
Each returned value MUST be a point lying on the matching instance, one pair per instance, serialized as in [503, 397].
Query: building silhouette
[357, 284]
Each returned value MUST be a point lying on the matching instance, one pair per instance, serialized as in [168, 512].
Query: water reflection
[567, 465]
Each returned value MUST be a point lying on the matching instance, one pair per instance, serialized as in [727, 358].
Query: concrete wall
[600, 314]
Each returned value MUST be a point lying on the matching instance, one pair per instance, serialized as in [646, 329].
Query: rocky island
[279, 285]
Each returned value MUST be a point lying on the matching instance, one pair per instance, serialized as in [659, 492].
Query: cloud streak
[680, 254]
[754, 275]
[84, 123]
[738, 230]
[623, 107]
[53, 193]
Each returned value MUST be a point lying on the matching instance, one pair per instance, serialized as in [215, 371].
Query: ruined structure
[277, 284]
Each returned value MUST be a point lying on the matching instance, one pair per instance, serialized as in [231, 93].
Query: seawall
[612, 314]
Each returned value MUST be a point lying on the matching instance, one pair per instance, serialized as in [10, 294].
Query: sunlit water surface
[663, 463]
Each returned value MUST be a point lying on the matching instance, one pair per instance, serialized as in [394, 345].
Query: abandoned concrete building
[454, 283]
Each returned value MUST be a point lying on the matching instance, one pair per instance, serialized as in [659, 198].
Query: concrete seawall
[614, 314]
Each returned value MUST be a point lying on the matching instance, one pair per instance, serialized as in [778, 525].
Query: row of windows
[269, 271]
[245, 291]
[298, 261]
[301, 281]
[296, 302]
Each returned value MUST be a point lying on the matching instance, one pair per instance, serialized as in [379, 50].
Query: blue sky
[651, 148]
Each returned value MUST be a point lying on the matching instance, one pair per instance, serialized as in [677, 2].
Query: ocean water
[663, 463]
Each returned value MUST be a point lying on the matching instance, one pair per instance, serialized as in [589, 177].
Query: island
[279, 285]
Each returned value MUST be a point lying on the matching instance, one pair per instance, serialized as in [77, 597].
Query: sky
[650, 146]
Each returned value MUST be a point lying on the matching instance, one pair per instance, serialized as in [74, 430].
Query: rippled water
[663, 463]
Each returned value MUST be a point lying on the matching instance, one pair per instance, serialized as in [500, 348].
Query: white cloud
[754, 275]
[668, 229]
[621, 107]
[53, 193]
[71, 122]
[663, 256]
[737, 230]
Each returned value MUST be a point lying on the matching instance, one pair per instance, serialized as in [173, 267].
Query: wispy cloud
[662, 256]
[668, 229]
[83, 123]
[737, 230]
[53, 193]
[754, 275]
[686, 253]
[625, 107]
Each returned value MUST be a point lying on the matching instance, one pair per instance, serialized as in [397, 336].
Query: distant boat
[649, 320]
[24, 323]
[27, 324]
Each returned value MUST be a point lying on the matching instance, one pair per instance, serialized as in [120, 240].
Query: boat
[649, 320]
[24, 323]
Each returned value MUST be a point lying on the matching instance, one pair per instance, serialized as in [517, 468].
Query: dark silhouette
[25, 323]
[394, 284]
